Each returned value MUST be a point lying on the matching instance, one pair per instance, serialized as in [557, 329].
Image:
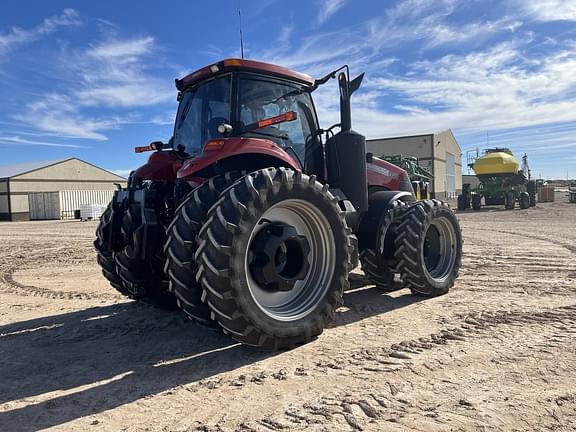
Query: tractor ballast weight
[251, 216]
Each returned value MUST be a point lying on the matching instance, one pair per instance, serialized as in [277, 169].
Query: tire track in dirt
[359, 409]
[28, 259]
[15, 287]
[570, 247]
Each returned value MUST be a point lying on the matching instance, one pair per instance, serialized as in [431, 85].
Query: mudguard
[378, 205]
[161, 166]
[229, 148]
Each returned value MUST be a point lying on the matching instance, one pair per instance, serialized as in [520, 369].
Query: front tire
[274, 258]
[104, 256]
[429, 247]
[142, 279]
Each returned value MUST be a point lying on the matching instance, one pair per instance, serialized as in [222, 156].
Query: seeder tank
[501, 181]
[496, 163]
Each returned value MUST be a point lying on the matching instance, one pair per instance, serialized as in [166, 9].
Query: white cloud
[112, 74]
[58, 114]
[125, 95]
[122, 50]
[329, 8]
[18, 36]
[122, 172]
[496, 88]
[16, 140]
[286, 33]
[547, 10]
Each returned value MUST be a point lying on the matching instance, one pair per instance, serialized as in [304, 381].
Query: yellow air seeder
[501, 181]
[496, 163]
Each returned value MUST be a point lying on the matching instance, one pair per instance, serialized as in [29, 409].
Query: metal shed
[438, 152]
[53, 189]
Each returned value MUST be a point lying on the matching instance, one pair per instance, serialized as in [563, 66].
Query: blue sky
[95, 79]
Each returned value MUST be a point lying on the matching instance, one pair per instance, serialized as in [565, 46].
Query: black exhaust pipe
[346, 151]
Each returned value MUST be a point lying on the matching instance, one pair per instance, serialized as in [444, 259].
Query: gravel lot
[497, 353]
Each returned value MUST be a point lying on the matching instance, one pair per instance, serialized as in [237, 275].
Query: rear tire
[476, 202]
[462, 202]
[510, 201]
[250, 307]
[182, 244]
[524, 200]
[531, 189]
[429, 247]
[379, 265]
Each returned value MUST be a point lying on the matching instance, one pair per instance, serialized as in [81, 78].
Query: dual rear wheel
[271, 260]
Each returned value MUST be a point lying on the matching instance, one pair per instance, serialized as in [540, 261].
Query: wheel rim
[439, 251]
[308, 292]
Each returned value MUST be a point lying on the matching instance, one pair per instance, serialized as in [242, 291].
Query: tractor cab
[244, 115]
[245, 99]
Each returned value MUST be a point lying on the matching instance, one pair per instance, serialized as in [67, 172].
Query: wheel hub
[279, 257]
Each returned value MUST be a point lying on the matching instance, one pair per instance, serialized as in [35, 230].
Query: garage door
[44, 205]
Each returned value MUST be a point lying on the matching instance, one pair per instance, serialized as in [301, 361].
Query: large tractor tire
[379, 265]
[428, 247]
[462, 202]
[510, 202]
[476, 202]
[524, 200]
[182, 244]
[104, 256]
[274, 258]
[142, 279]
[531, 189]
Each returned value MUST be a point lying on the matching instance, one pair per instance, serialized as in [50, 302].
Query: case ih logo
[382, 170]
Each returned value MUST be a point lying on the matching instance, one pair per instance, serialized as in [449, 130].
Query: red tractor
[251, 217]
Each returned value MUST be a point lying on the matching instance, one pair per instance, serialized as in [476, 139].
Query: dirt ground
[497, 353]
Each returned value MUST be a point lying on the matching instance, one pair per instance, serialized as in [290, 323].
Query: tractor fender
[237, 153]
[378, 204]
[161, 166]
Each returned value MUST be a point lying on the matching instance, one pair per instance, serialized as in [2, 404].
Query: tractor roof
[240, 64]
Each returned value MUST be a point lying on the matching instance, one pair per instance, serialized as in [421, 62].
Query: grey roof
[7, 171]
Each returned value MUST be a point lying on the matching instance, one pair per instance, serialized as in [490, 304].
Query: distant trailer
[64, 204]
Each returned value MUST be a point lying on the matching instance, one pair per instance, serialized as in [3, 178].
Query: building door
[44, 205]
[450, 175]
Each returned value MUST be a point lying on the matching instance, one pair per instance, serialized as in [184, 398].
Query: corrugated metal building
[438, 152]
[53, 189]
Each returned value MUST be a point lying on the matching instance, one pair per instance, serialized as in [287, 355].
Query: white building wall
[72, 200]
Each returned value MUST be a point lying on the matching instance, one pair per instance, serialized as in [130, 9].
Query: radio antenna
[241, 41]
